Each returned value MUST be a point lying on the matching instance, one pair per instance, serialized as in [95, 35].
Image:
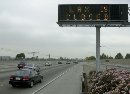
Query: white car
[48, 64]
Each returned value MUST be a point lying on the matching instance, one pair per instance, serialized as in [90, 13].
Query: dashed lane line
[35, 92]
[1, 84]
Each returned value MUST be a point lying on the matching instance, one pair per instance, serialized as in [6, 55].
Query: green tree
[119, 56]
[127, 56]
[103, 56]
[61, 58]
[20, 56]
[110, 57]
[91, 58]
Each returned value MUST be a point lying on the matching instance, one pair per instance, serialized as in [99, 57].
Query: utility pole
[33, 53]
[49, 56]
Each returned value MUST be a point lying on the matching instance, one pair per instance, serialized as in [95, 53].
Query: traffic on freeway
[64, 47]
[20, 80]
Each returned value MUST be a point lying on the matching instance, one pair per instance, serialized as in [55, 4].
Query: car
[48, 64]
[75, 62]
[67, 62]
[59, 62]
[25, 77]
[32, 66]
[21, 64]
[107, 60]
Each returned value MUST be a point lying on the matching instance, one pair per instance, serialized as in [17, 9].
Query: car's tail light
[11, 77]
[26, 78]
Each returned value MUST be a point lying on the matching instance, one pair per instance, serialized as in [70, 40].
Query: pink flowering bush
[110, 81]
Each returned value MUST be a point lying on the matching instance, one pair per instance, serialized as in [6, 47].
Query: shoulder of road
[69, 83]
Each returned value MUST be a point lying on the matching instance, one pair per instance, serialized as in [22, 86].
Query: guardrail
[119, 67]
[84, 81]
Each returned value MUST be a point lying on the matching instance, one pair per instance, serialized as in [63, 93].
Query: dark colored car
[106, 60]
[75, 62]
[21, 64]
[67, 62]
[59, 62]
[33, 66]
[25, 77]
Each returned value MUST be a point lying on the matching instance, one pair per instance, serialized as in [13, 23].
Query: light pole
[98, 48]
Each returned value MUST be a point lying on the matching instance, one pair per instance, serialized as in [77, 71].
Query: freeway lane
[49, 74]
[4, 75]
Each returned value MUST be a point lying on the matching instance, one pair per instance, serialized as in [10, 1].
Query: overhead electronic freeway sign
[93, 12]
[93, 15]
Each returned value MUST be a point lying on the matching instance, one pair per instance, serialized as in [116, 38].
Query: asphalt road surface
[48, 72]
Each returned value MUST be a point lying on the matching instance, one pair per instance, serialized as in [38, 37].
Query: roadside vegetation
[104, 56]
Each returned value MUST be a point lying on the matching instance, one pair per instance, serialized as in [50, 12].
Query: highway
[48, 72]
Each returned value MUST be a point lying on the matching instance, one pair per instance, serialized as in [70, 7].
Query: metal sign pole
[98, 48]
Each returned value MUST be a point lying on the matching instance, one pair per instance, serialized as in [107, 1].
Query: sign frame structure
[98, 24]
[94, 24]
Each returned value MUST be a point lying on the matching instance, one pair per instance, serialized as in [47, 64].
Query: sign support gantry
[98, 48]
[93, 15]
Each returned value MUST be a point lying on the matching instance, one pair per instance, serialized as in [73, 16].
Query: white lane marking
[1, 84]
[51, 81]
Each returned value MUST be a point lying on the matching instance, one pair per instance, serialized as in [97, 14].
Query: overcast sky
[30, 25]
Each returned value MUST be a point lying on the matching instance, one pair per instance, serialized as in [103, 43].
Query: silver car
[48, 64]
[33, 66]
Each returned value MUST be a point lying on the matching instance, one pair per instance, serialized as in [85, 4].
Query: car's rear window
[29, 65]
[22, 73]
[22, 62]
